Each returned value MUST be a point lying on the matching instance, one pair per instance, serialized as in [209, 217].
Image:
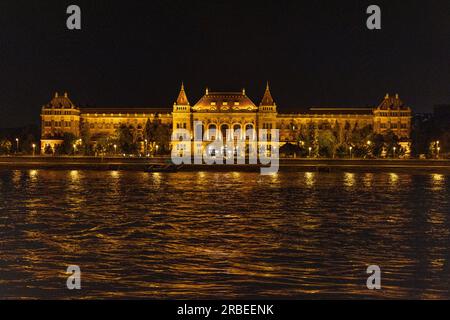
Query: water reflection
[223, 235]
[349, 179]
[309, 178]
[393, 178]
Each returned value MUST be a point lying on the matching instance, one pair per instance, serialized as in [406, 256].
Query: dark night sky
[136, 53]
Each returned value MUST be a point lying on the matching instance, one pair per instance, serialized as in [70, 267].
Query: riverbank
[140, 164]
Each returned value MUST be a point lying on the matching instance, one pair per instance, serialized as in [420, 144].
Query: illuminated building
[221, 111]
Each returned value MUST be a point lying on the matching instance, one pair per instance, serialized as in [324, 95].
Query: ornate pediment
[225, 102]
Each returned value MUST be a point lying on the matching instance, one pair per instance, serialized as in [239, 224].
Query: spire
[182, 98]
[267, 100]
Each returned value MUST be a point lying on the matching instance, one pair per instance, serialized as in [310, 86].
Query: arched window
[223, 130]
[236, 134]
[212, 131]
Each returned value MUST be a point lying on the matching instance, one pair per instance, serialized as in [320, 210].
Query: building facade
[221, 111]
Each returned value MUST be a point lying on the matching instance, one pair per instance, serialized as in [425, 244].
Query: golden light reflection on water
[310, 178]
[74, 176]
[115, 174]
[349, 179]
[227, 235]
[33, 175]
[393, 179]
[438, 182]
[367, 180]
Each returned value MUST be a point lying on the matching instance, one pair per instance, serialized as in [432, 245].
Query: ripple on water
[224, 235]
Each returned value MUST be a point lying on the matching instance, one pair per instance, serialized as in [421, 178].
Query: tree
[290, 150]
[125, 139]
[158, 136]
[314, 140]
[48, 150]
[338, 133]
[377, 145]
[391, 141]
[347, 133]
[327, 142]
[5, 146]
[85, 134]
[69, 140]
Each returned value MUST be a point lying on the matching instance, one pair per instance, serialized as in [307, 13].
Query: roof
[225, 102]
[392, 103]
[60, 102]
[267, 99]
[182, 98]
[124, 110]
[338, 110]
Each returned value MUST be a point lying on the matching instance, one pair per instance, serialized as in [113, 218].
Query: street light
[438, 149]
[115, 149]
[34, 148]
[351, 148]
[17, 145]
[394, 151]
[74, 148]
[309, 151]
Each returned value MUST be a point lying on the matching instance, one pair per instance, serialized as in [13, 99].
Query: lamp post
[394, 151]
[351, 156]
[145, 147]
[437, 148]
[309, 152]
[74, 149]
[17, 145]
[34, 149]
[115, 149]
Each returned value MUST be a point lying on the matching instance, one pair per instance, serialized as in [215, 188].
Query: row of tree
[343, 142]
[19, 140]
[154, 139]
[431, 137]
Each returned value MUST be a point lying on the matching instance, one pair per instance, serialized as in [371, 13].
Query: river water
[223, 235]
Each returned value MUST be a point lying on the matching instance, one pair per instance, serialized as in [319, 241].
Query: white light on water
[309, 178]
[349, 179]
